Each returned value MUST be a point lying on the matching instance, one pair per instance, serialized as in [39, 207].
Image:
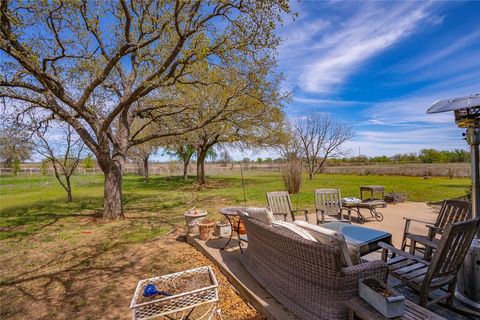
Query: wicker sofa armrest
[377, 269]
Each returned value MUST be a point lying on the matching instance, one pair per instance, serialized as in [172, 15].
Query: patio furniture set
[329, 205]
[314, 269]
[328, 212]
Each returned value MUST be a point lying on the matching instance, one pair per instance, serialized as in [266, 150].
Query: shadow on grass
[168, 183]
[24, 220]
[453, 186]
[59, 281]
[172, 183]
[161, 195]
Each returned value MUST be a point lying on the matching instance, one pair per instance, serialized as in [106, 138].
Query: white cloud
[375, 142]
[402, 125]
[413, 107]
[322, 58]
[328, 102]
[450, 48]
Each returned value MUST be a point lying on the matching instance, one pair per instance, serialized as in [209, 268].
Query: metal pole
[468, 285]
[243, 186]
[473, 139]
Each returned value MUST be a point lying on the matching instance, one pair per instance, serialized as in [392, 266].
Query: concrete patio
[228, 262]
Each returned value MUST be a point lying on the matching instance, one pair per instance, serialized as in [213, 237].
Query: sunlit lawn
[29, 204]
[53, 253]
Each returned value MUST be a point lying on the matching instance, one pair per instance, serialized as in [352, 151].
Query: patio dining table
[366, 239]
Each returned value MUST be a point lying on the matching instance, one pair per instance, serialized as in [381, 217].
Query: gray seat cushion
[350, 254]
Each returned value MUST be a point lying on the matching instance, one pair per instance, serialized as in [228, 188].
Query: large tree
[319, 137]
[253, 120]
[99, 65]
[247, 107]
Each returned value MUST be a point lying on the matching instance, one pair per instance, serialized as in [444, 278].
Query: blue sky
[379, 65]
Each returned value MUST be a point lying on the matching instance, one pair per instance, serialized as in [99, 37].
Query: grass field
[30, 203]
[55, 253]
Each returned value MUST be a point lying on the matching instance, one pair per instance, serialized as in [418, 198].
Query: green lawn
[29, 204]
[60, 259]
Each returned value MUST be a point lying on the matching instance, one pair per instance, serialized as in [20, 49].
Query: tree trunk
[185, 169]
[201, 167]
[112, 203]
[112, 167]
[145, 168]
[310, 175]
[68, 189]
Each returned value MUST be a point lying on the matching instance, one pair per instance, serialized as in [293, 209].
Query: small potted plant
[206, 228]
[238, 226]
[192, 217]
[386, 301]
[223, 228]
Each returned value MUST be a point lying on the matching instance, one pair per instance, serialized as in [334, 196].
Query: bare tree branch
[319, 137]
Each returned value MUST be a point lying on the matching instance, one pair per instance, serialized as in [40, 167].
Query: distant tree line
[424, 156]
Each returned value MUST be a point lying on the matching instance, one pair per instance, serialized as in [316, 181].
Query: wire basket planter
[188, 291]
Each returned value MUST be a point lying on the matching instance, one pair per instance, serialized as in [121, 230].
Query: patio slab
[228, 262]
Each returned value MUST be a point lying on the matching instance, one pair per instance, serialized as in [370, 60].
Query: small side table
[359, 308]
[230, 213]
[373, 190]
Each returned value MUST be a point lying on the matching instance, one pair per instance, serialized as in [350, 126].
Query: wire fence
[452, 170]
[154, 170]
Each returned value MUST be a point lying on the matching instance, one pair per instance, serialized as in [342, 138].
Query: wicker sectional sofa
[303, 275]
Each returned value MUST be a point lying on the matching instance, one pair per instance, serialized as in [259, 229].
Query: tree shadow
[21, 221]
[61, 289]
[161, 195]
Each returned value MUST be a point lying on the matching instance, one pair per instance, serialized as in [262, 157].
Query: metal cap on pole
[467, 115]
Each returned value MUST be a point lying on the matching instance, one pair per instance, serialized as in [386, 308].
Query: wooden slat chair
[328, 206]
[452, 211]
[281, 206]
[428, 276]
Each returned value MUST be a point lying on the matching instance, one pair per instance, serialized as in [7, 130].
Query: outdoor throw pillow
[290, 227]
[354, 253]
[264, 215]
[350, 254]
[351, 200]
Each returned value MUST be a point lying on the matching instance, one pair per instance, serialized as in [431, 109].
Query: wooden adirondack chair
[328, 206]
[451, 211]
[428, 276]
[281, 206]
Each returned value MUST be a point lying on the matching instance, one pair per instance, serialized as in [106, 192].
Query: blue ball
[150, 290]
